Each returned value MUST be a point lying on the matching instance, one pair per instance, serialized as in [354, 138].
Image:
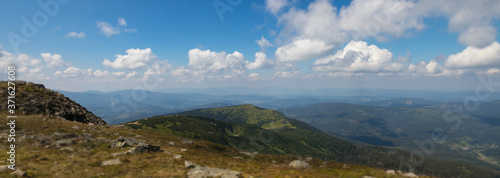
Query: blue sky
[114, 45]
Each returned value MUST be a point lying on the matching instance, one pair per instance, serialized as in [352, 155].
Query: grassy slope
[298, 132]
[85, 160]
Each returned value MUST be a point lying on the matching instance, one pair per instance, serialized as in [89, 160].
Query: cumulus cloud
[26, 66]
[263, 43]
[286, 74]
[211, 61]
[274, 6]
[119, 74]
[107, 29]
[54, 60]
[135, 58]
[70, 72]
[158, 67]
[473, 57]
[302, 49]
[261, 61]
[357, 56]
[472, 20]
[122, 21]
[131, 74]
[75, 35]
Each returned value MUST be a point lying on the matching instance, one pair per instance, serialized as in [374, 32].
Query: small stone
[75, 127]
[345, 166]
[111, 162]
[138, 136]
[184, 150]
[18, 173]
[64, 142]
[189, 164]
[201, 171]
[187, 141]
[68, 149]
[177, 156]
[4, 168]
[119, 154]
[299, 164]
[390, 172]
[171, 143]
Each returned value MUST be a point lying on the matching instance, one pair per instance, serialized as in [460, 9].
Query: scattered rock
[18, 173]
[299, 164]
[119, 154]
[390, 172]
[111, 162]
[4, 168]
[145, 148]
[138, 136]
[184, 150]
[201, 171]
[124, 142]
[68, 149]
[86, 135]
[345, 166]
[189, 164]
[64, 142]
[75, 127]
[187, 141]
[409, 174]
[177, 156]
[237, 157]
[171, 143]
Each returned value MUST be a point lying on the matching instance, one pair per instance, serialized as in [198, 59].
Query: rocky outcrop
[34, 98]
[140, 146]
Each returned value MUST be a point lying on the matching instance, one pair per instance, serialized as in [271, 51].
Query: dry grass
[85, 160]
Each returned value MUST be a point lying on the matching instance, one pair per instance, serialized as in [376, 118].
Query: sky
[158, 45]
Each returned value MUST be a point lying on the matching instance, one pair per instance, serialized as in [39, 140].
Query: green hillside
[401, 126]
[291, 138]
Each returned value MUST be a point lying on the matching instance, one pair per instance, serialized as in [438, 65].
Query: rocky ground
[51, 147]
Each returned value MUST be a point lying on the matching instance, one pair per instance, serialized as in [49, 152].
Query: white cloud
[357, 56]
[75, 35]
[472, 20]
[119, 74]
[261, 61]
[302, 50]
[70, 72]
[107, 29]
[131, 74]
[100, 73]
[54, 60]
[210, 61]
[274, 6]
[473, 57]
[158, 68]
[286, 74]
[26, 66]
[122, 21]
[493, 71]
[135, 58]
[263, 43]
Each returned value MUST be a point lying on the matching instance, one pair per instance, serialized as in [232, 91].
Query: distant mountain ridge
[34, 98]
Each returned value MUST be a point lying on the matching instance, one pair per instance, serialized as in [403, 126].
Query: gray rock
[189, 164]
[390, 172]
[124, 142]
[75, 127]
[64, 142]
[4, 168]
[184, 150]
[145, 148]
[177, 156]
[171, 143]
[187, 141]
[119, 154]
[111, 162]
[201, 171]
[299, 164]
[68, 149]
[18, 173]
